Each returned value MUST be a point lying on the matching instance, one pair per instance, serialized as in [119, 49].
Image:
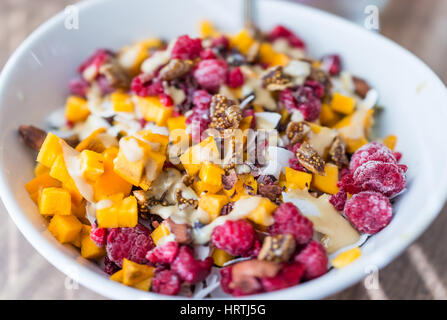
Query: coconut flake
[277, 160]
[267, 120]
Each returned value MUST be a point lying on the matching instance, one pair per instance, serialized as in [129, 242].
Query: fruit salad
[227, 164]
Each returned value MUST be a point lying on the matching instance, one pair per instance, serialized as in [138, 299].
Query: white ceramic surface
[34, 82]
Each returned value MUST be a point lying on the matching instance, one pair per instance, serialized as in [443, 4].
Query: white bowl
[34, 82]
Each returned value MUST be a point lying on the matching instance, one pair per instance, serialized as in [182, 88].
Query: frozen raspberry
[225, 279]
[314, 259]
[198, 122]
[369, 211]
[332, 64]
[289, 220]
[188, 268]
[235, 237]
[211, 73]
[98, 236]
[165, 100]
[104, 85]
[95, 60]
[317, 88]
[289, 275]
[282, 32]
[338, 200]
[386, 178]
[207, 54]
[348, 184]
[235, 78]
[186, 48]
[79, 87]
[144, 88]
[202, 99]
[397, 155]
[288, 100]
[220, 43]
[373, 151]
[163, 254]
[109, 266]
[166, 282]
[308, 103]
[296, 165]
[129, 243]
[403, 168]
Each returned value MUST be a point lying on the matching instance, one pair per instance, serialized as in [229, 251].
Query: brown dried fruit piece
[270, 191]
[181, 232]
[225, 113]
[274, 79]
[277, 248]
[182, 201]
[297, 131]
[244, 274]
[229, 179]
[176, 68]
[115, 74]
[310, 159]
[32, 136]
[337, 152]
[361, 87]
[322, 77]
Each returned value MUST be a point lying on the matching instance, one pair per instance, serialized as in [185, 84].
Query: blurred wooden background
[419, 273]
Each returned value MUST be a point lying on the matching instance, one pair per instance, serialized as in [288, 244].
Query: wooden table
[419, 273]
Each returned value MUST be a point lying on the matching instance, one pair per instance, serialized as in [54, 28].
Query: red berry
[348, 184]
[109, 266]
[308, 103]
[186, 48]
[338, 200]
[98, 236]
[332, 64]
[129, 243]
[397, 155]
[211, 73]
[163, 254]
[207, 54]
[166, 282]
[287, 99]
[165, 99]
[317, 88]
[314, 259]
[220, 43]
[188, 268]
[369, 211]
[289, 275]
[235, 78]
[282, 32]
[289, 220]
[144, 88]
[386, 178]
[79, 87]
[373, 151]
[202, 99]
[235, 237]
[95, 60]
[296, 165]
[225, 279]
[250, 113]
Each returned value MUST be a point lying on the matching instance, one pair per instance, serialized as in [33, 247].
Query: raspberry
[369, 211]
[211, 73]
[235, 237]
[190, 269]
[308, 103]
[373, 151]
[289, 275]
[397, 155]
[225, 279]
[202, 99]
[163, 254]
[144, 88]
[296, 165]
[282, 32]
[347, 183]
[235, 78]
[207, 54]
[104, 85]
[338, 200]
[79, 87]
[98, 236]
[186, 48]
[129, 243]
[165, 99]
[96, 59]
[166, 282]
[386, 178]
[289, 220]
[317, 88]
[109, 266]
[314, 259]
[332, 63]
[287, 100]
[220, 43]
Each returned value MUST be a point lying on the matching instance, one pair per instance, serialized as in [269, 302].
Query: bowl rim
[333, 282]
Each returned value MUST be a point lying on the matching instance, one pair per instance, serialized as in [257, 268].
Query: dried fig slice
[115, 74]
[33, 137]
[277, 248]
[337, 152]
[297, 131]
[275, 79]
[310, 159]
[225, 113]
[176, 68]
[270, 191]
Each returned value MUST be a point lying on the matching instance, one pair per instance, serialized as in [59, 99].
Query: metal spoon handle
[249, 13]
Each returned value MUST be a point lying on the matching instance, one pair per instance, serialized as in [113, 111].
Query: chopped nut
[225, 113]
[181, 232]
[115, 74]
[337, 153]
[229, 179]
[226, 209]
[244, 273]
[32, 136]
[175, 69]
[270, 191]
[361, 87]
[297, 131]
[310, 159]
[277, 248]
[188, 180]
[275, 79]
